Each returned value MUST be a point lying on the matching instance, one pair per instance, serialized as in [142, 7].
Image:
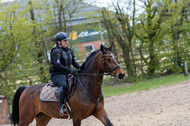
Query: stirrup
[62, 111]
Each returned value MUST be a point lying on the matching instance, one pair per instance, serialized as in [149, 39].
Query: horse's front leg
[76, 121]
[102, 116]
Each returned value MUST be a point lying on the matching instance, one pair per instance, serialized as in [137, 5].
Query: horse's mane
[90, 57]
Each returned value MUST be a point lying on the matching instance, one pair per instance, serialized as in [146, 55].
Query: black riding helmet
[61, 36]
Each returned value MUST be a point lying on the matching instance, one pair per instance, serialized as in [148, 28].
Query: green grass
[144, 85]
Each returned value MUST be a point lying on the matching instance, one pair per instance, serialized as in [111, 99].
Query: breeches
[60, 81]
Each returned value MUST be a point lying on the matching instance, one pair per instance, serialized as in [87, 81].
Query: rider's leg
[62, 94]
[62, 109]
[60, 81]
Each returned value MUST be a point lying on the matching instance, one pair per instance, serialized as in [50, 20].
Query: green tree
[15, 36]
[151, 22]
[177, 12]
[121, 30]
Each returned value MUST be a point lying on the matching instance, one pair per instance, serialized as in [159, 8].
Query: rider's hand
[73, 71]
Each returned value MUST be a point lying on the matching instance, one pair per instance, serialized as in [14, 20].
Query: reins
[89, 74]
[92, 97]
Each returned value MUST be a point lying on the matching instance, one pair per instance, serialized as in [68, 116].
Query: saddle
[50, 92]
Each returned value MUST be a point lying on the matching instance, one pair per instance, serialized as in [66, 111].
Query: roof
[81, 10]
[2, 96]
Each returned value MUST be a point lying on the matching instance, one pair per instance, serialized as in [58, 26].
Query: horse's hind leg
[26, 117]
[42, 119]
[25, 121]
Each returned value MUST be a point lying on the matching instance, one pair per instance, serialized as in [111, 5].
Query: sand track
[165, 106]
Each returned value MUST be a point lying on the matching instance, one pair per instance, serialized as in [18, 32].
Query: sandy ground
[165, 106]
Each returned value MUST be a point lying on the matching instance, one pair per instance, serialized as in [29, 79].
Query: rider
[61, 59]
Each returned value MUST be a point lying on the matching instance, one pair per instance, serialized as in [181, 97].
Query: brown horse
[86, 100]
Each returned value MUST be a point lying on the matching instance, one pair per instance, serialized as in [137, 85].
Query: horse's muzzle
[121, 76]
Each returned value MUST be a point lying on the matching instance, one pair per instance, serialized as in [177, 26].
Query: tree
[120, 29]
[15, 34]
[151, 22]
[107, 21]
[39, 44]
[177, 12]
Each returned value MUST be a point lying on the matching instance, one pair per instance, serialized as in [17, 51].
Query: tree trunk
[38, 46]
[64, 21]
[176, 51]
[127, 59]
[60, 16]
[152, 63]
[109, 28]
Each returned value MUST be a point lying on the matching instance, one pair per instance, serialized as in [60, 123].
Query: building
[86, 33]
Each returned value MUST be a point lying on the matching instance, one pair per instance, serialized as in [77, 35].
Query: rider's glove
[73, 71]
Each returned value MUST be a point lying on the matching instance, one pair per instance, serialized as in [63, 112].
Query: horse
[86, 100]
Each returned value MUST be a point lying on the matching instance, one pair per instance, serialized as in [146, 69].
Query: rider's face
[64, 43]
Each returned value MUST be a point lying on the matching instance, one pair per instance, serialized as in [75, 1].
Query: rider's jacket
[61, 60]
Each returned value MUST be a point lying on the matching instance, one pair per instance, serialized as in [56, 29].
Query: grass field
[143, 85]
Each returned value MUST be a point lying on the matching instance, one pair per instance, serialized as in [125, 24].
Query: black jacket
[61, 60]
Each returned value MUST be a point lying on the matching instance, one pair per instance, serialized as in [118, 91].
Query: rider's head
[61, 39]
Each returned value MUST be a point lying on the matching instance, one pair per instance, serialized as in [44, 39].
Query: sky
[6, 0]
[100, 3]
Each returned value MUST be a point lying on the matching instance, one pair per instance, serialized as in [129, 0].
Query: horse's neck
[93, 83]
[93, 66]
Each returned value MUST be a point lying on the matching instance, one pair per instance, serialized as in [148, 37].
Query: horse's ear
[111, 49]
[102, 48]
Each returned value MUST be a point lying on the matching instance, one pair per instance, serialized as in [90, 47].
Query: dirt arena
[165, 106]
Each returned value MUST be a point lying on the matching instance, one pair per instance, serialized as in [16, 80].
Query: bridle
[106, 67]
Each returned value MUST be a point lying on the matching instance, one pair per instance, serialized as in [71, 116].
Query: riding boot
[62, 109]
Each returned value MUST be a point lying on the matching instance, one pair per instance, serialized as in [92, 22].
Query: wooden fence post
[185, 68]
[4, 110]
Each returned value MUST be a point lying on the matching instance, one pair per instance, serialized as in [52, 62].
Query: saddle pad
[48, 93]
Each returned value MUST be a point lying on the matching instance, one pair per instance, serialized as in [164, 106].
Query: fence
[4, 110]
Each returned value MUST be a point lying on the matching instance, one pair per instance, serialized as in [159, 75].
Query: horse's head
[110, 64]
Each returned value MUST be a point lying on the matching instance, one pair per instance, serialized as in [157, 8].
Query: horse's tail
[14, 117]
